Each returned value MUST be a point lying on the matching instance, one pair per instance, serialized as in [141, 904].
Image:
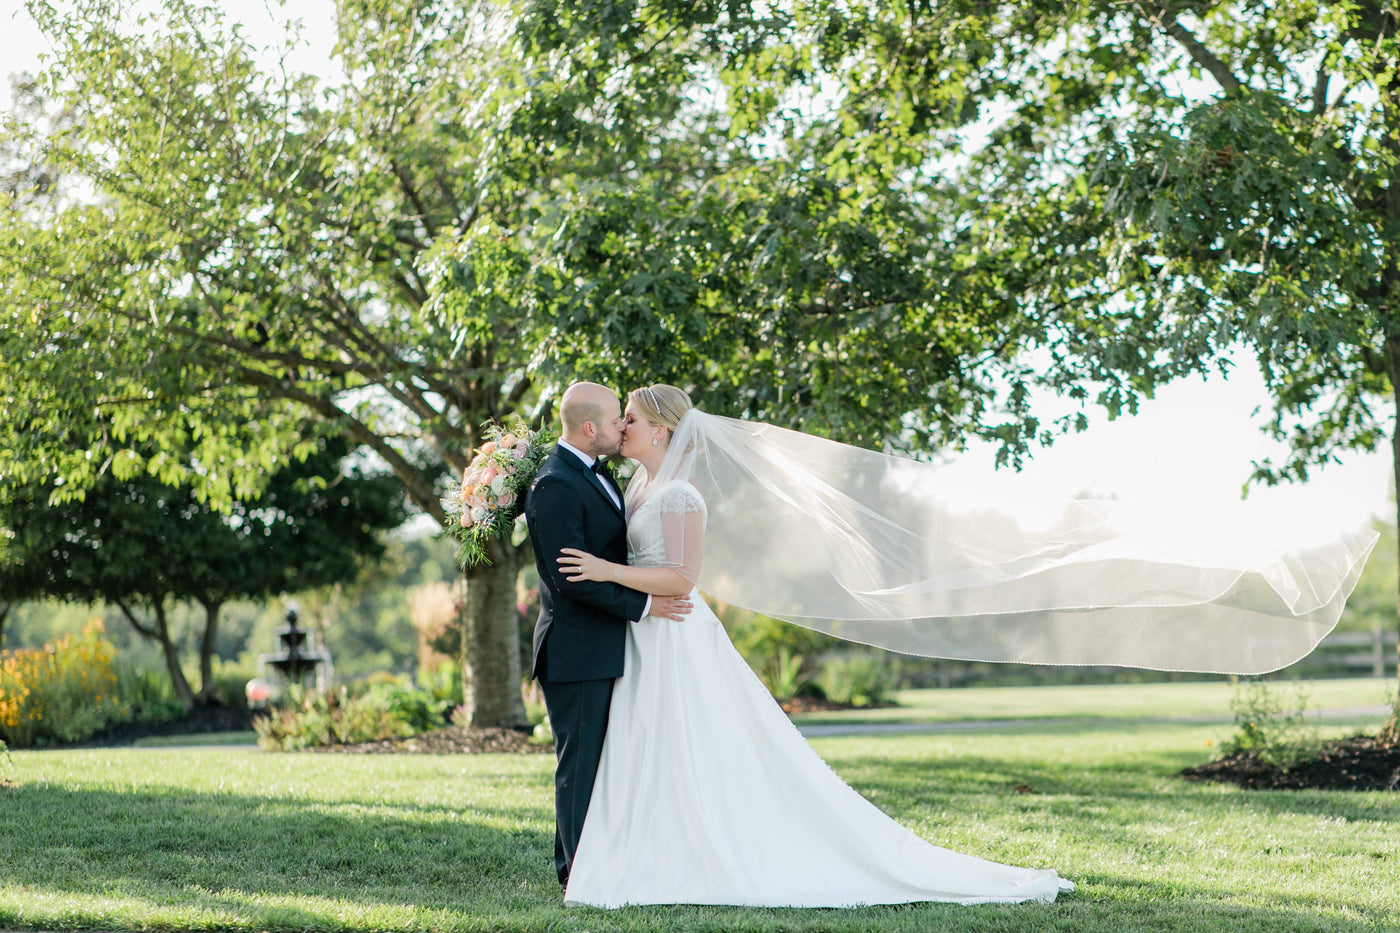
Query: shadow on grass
[208, 850]
[964, 774]
[190, 860]
[931, 779]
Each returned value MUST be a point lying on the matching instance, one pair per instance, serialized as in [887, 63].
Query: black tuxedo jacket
[582, 628]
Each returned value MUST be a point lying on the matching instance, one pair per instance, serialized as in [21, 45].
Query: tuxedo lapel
[592, 479]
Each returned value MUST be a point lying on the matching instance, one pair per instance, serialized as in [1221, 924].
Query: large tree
[496, 199]
[246, 258]
[1088, 198]
[1159, 188]
[143, 546]
[887, 222]
[1191, 182]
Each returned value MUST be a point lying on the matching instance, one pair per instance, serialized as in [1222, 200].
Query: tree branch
[453, 204]
[418, 486]
[1319, 95]
[411, 193]
[148, 631]
[242, 348]
[1165, 17]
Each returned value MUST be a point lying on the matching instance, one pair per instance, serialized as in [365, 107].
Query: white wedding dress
[707, 794]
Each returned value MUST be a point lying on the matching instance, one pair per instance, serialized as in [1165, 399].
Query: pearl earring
[653, 442]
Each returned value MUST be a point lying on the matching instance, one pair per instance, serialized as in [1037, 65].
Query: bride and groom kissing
[679, 780]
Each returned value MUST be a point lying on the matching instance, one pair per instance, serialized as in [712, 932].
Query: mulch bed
[449, 740]
[1357, 763]
[806, 704]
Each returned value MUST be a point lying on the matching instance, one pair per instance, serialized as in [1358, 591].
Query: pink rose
[488, 474]
[506, 500]
[488, 448]
[508, 440]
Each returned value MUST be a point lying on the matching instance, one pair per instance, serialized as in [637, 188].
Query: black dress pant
[578, 714]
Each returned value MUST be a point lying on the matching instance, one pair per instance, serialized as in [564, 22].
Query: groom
[582, 629]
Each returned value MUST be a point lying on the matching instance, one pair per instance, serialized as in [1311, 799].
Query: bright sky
[1189, 449]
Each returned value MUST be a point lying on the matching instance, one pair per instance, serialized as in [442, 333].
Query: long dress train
[707, 794]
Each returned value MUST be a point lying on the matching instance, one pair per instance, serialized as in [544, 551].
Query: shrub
[308, 719]
[543, 733]
[780, 653]
[1274, 729]
[231, 681]
[148, 695]
[533, 697]
[63, 692]
[785, 673]
[417, 709]
[860, 678]
[443, 681]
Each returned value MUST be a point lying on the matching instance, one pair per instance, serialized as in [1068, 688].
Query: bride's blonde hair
[661, 404]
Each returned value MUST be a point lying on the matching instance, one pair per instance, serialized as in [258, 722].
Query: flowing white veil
[876, 549]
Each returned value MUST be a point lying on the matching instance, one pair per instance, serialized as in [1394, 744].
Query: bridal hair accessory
[489, 499]
[895, 553]
[655, 404]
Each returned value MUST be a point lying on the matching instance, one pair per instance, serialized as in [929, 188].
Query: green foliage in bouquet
[490, 497]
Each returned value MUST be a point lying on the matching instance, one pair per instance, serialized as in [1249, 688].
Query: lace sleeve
[682, 528]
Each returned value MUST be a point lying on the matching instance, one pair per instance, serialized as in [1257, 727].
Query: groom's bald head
[582, 402]
[592, 418]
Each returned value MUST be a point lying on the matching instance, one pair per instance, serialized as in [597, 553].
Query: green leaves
[884, 222]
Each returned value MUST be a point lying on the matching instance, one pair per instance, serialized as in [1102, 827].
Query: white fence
[1341, 654]
[1353, 653]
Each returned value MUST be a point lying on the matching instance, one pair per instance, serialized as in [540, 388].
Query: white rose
[498, 485]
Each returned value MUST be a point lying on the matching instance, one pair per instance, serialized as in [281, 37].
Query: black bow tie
[600, 466]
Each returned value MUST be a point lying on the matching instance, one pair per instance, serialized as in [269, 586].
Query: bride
[706, 793]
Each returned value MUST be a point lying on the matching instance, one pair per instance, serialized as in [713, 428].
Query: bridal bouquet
[486, 503]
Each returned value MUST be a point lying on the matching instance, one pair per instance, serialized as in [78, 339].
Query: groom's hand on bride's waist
[670, 607]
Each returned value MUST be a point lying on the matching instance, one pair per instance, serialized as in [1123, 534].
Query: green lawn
[237, 839]
[1196, 701]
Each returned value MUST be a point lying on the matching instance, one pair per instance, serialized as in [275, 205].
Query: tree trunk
[491, 642]
[159, 632]
[206, 653]
[4, 615]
